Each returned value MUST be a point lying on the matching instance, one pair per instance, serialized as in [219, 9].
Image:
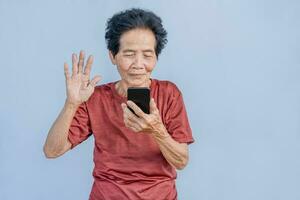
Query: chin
[138, 82]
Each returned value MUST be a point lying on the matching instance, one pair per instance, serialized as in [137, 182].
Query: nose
[138, 62]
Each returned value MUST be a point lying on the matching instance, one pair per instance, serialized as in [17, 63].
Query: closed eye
[129, 55]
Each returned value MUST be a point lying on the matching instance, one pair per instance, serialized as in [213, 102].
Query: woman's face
[136, 57]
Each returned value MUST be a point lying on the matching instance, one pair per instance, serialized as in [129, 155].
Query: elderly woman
[136, 154]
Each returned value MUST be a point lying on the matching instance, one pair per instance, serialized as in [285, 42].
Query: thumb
[95, 80]
[153, 107]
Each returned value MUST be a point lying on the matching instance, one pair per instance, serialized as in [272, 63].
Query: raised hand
[79, 87]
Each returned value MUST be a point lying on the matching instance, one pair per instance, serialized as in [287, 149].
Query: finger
[74, 64]
[135, 127]
[136, 109]
[153, 107]
[81, 61]
[88, 66]
[66, 71]
[94, 81]
[123, 105]
[129, 115]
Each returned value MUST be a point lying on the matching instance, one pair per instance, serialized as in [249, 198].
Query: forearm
[58, 134]
[174, 152]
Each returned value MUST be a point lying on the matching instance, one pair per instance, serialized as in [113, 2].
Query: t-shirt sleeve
[177, 122]
[80, 128]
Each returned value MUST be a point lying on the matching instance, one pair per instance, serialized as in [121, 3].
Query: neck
[121, 87]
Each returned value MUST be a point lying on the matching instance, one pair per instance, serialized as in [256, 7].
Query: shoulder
[104, 87]
[167, 86]
[101, 91]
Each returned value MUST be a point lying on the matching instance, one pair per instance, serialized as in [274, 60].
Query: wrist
[71, 106]
[161, 133]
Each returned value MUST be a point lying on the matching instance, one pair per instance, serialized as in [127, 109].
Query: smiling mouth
[137, 74]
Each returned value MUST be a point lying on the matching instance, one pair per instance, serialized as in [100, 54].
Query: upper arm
[176, 118]
[80, 128]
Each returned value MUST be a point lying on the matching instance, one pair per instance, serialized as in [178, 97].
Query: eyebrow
[148, 50]
[130, 51]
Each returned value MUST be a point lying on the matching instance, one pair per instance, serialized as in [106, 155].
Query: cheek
[150, 66]
[124, 64]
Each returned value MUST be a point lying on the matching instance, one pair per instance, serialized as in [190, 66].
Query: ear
[112, 58]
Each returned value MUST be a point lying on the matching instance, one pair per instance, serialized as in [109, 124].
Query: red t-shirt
[130, 165]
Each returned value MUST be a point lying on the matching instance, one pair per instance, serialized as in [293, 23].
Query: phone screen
[141, 97]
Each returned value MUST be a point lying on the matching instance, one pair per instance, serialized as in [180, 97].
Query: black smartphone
[141, 97]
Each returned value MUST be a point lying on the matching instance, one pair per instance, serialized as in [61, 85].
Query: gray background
[236, 62]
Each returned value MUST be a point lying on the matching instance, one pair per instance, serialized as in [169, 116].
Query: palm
[79, 86]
